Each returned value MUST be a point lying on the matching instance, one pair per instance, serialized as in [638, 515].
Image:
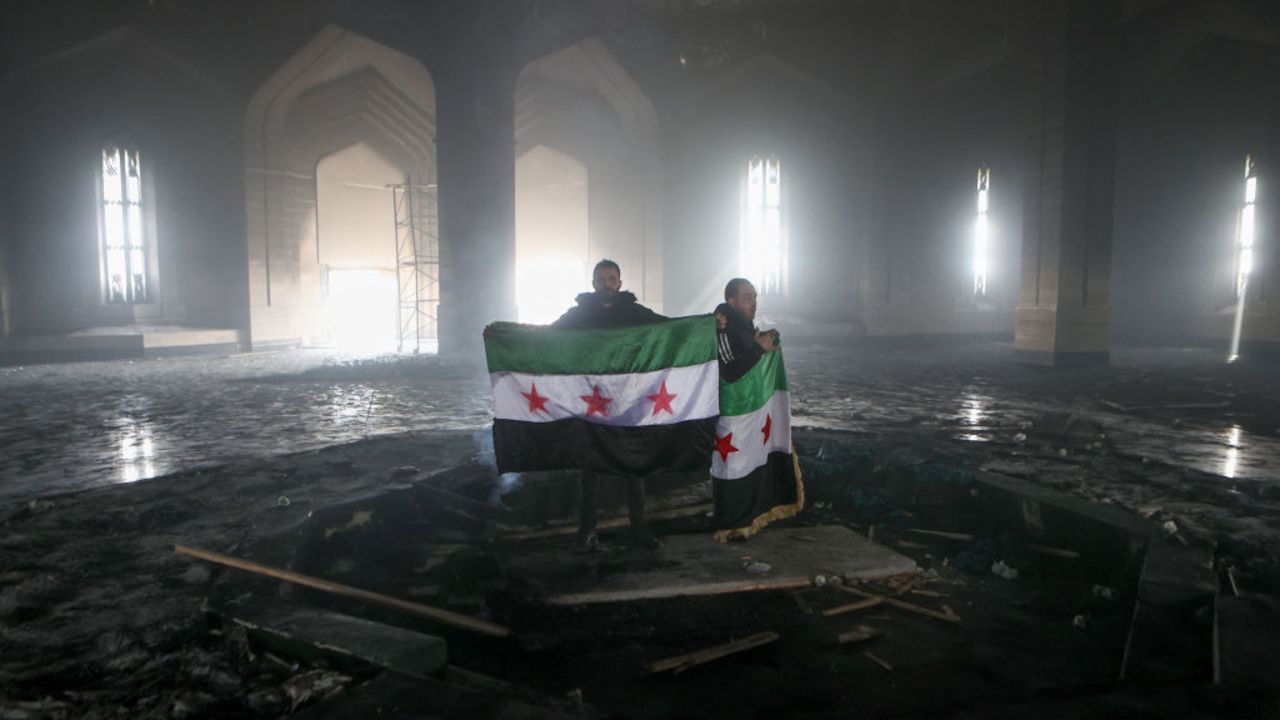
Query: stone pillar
[476, 171]
[885, 289]
[1064, 308]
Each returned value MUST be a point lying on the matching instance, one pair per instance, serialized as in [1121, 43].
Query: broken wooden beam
[853, 607]
[680, 663]
[1054, 551]
[941, 534]
[439, 614]
[877, 660]
[710, 588]
[909, 607]
[859, 634]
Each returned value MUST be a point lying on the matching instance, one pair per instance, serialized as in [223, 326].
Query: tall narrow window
[122, 227]
[1244, 243]
[981, 233]
[1244, 252]
[763, 252]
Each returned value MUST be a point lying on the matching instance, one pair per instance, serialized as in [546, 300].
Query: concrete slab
[307, 633]
[1246, 651]
[698, 565]
[119, 342]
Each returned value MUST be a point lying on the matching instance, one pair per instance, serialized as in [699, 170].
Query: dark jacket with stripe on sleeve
[739, 350]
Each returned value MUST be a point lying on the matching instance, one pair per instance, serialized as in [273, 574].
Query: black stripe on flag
[741, 501]
[575, 444]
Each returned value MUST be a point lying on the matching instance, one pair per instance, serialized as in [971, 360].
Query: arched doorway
[553, 255]
[580, 118]
[343, 113]
[356, 246]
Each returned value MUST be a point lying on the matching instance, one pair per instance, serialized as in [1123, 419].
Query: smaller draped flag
[755, 474]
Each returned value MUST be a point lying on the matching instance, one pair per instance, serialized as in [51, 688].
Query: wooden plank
[941, 534]
[877, 660]
[853, 607]
[909, 607]
[680, 663]
[859, 634]
[1054, 551]
[445, 616]
[657, 593]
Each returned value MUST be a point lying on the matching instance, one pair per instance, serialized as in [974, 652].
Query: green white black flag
[754, 471]
[625, 401]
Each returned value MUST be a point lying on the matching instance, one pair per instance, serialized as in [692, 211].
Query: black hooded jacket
[738, 348]
[592, 312]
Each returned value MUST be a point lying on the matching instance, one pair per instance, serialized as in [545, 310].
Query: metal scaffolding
[417, 266]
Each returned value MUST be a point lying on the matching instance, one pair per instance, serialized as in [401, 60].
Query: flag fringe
[777, 512]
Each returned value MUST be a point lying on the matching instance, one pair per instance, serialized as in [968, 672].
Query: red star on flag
[724, 446]
[768, 427]
[662, 401]
[536, 401]
[596, 403]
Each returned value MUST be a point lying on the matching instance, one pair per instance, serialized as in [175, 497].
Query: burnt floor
[99, 616]
[1160, 430]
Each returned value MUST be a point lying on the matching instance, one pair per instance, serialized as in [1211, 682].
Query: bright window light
[982, 233]
[122, 230]
[362, 311]
[1244, 252]
[763, 245]
[545, 287]
[1244, 249]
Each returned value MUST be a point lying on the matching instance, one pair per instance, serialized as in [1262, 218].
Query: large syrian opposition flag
[755, 476]
[625, 401]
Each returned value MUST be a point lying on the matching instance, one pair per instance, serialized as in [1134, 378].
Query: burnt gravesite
[426, 359]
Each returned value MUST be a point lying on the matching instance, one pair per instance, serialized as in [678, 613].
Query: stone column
[1064, 309]
[886, 282]
[476, 171]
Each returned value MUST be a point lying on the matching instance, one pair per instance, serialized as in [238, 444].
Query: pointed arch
[581, 102]
[340, 89]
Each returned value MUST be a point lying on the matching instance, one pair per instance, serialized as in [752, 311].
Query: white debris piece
[1000, 568]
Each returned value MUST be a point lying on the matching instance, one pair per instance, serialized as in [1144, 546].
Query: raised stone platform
[698, 565]
[119, 342]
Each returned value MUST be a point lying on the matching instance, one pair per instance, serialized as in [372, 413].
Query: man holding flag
[615, 389]
[607, 307]
[755, 475]
[612, 388]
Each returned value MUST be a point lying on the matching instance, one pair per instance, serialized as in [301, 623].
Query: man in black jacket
[608, 307]
[740, 343]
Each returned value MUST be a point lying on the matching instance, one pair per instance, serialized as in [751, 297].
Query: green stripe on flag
[538, 349]
[753, 390]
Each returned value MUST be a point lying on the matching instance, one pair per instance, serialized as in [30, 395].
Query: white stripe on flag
[748, 437]
[633, 398]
